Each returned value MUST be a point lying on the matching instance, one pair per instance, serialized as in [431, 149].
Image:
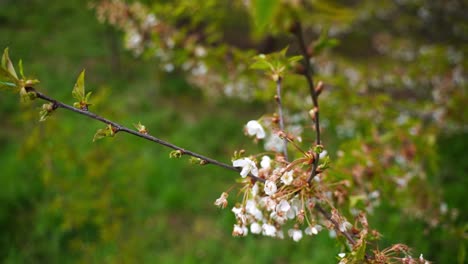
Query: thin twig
[121, 128]
[328, 216]
[281, 117]
[314, 95]
[310, 81]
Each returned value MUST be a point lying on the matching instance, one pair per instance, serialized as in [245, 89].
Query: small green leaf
[108, 131]
[318, 149]
[7, 84]
[325, 163]
[7, 65]
[79, 89]
[324, 42]
[176, 154]
[27, 96]
[46, 111]
[261, 65]
[141, 128]
[360, 252]
[20, 66]
[355, 199]
[294, 59]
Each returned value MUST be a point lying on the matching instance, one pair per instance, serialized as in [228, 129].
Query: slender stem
[313, 93]
[328, 216]
[281, 117]
[121, 128]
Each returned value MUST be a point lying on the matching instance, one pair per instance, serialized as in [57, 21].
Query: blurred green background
[66, 199]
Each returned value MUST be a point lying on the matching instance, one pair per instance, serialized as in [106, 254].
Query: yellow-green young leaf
[324, 42]
[261, 65]
[7, 65]
[294, 59]
[263, 12]
[27, 96]
[20, 67]
[46, 111]
[360, 251]
[7, 85]
[79, 89]
[175, 154]
[108, 131]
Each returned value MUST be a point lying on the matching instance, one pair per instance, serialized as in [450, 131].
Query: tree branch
[121, 128]
[297, 30]
[314, 95]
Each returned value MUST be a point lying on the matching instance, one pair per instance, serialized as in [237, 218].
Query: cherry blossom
[295, 234]
[247, 165]
[255, 129]
[287, 177]
[268, 230]
[266, 162]
[270, 187]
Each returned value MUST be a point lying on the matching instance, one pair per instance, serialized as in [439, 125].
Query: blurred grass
[66, 199]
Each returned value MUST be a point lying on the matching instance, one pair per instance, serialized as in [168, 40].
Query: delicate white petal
[247, 165]
[255, 129]
[268, 230]
[323, 154]
[283, 206]
[239, 163]
[255, 228]
[266, 162]
[342, 255]
[270, 187]
[287, 177]
[295, 234]
[254, 170]
[255, 189]
[274, 143]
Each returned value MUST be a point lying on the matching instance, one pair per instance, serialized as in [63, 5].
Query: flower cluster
[281, 201]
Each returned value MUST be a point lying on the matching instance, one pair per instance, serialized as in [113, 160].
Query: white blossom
[283, 206]
[341, 255]
[255, 129]
[240, 230]
[287, 177]
[278, 218]
[323, 154]
[239, 213]
[268, 203]
[345, 226]
[255, 189]
[268, 230]
[295, 234]
[255, 228]
[169, 67]
[247, 165]
[274, 143]
[313, 230]
[222, 200]
[200, 51]
[252, 209]
[270, 187]
[150, 21]
[266, 162]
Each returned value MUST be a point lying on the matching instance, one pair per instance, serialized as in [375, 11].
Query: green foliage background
[66, 199]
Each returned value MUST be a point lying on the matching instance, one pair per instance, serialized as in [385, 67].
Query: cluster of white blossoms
[279, 202]
[268, 206]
